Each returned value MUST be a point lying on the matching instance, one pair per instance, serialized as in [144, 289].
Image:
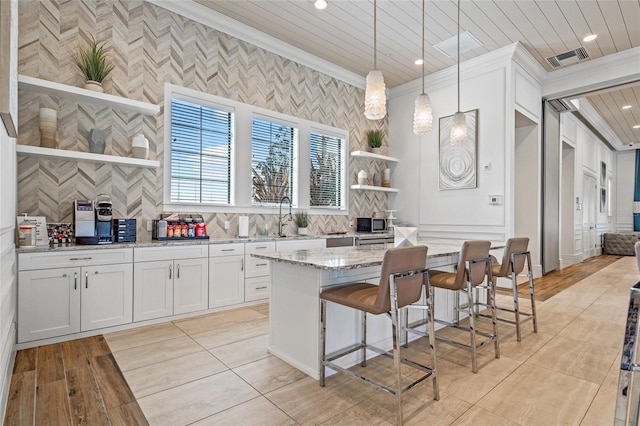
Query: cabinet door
[256, 288]
[226, 280]
[48, 303]
[152, 290]
[107, 296]
[190, 285]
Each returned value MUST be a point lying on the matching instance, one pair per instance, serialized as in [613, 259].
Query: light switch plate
[227, 224]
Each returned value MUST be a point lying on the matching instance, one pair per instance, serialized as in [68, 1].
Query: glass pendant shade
[458, 129]
[375, 98]
[423, 115]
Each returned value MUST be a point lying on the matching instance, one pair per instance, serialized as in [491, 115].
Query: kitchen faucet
[280, 216]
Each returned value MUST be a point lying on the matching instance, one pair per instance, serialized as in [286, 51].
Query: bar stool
[515, 255]
[402, 281]
[474, 264]
[637, 247]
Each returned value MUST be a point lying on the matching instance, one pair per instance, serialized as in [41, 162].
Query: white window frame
[344, 169]
[240, 197]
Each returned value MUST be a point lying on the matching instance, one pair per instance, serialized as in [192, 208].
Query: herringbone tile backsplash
[150, 46]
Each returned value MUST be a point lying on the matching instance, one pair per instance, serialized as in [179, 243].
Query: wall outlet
[227, 224]
[149, 225]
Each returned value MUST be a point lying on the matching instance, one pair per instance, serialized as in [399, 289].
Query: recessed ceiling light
[637, 126]
[590, 37]
[626, 107]
[418, 62]
[320, 4]
[449, 47]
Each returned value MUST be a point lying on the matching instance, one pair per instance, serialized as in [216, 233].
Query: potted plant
[94, 65]
[302, 220]
[374, 137]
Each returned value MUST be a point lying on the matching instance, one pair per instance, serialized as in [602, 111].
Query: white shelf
[374, 188]
[77, 93]
[365, 154]
[63, 154]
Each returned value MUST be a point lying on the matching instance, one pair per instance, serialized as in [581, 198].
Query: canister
[27, 233]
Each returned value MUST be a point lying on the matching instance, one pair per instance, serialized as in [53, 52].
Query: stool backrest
[472, 250]
[409, 289]
[637, 246]
[514, 245]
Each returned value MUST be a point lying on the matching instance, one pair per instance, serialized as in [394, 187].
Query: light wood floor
[215, 369]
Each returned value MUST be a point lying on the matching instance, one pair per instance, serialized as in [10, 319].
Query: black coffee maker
[104, 219]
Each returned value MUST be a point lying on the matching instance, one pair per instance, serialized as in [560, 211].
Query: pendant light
[423, 113]
[375, 98]
[459, 125]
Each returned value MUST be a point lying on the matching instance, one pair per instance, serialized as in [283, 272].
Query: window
[327, 169]
[272, 161]
[201, 142]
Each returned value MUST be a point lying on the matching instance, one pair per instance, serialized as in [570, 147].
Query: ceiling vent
[568, 58]
[562, 105]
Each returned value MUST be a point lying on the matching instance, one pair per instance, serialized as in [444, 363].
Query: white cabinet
[290, 245]
[226, 274]
[169, 280]
[257, 271]
[72, 291]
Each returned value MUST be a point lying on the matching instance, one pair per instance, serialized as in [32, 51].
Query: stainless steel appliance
[104, 219]
[84, 222]
[628, 399]
[373, 239]
[371, 224]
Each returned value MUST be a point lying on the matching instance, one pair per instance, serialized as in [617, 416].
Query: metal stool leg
[432, 341]
[323, 338]
[395, 320]
[472, 327]
[364, 339]
[532, 294]
[516, 306]
[491, 293]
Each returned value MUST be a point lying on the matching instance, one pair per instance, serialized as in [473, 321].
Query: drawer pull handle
[75, 280]
[86, 280]
[242, 264]
[228, 249]
[261, 264]
[178, 271]
[81, 258]
[170, 267]
[261, 247]
[261, 288]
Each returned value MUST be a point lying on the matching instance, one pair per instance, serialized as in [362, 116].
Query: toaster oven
[371, 224]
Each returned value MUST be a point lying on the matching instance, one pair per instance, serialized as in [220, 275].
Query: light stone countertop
[338, 258]
[155, 243]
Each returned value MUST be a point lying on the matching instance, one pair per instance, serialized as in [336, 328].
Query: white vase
[140, 147]
[303, 231]
[48, 124]
[362, 177]
[375, 150]
[93, 86]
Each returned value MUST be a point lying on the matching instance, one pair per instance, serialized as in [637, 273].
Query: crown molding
[493, 60]
[220, 22]
[610, 70]
[590, 114]
[522, 57]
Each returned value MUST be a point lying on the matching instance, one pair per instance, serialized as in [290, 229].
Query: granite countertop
[155, 243]
[337, 258]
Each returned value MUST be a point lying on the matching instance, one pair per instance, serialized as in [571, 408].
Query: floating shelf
[366, 154]
[374, 188]
[64, 154]
[83, 95]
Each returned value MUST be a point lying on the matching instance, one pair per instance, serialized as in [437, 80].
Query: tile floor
[215, 369]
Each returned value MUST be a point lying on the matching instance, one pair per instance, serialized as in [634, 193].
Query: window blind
[271, 161]
[201, 140]
[326, 189]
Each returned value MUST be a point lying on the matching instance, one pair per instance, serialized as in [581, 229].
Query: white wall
[623, 207]
[8, 280]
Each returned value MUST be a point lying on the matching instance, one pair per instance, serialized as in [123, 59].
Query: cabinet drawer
[264, 247]
[61, 259]
[256, 288]
[150, 254]
[255, 267]
[226, 249]
[291, 245]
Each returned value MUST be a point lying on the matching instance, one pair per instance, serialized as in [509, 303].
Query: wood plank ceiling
[343, 34]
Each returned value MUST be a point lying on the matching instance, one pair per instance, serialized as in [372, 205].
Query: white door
[48, 303]
[107, 296]
[226, 280]
[190, 285]
[589, 209]
[152, 290]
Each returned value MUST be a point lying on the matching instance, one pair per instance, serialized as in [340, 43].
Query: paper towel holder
[243, 226]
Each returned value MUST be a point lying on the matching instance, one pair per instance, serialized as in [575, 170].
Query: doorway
[568, 206]
[589, 208]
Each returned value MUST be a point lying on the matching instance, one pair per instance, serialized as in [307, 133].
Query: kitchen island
[297, 279]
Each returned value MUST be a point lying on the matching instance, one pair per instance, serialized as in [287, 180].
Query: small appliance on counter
[92, 220]
[371, 224]
[124, 230]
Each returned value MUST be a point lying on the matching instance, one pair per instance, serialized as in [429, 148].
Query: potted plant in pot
[302, 220]
[94, 65]
[374, 137]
